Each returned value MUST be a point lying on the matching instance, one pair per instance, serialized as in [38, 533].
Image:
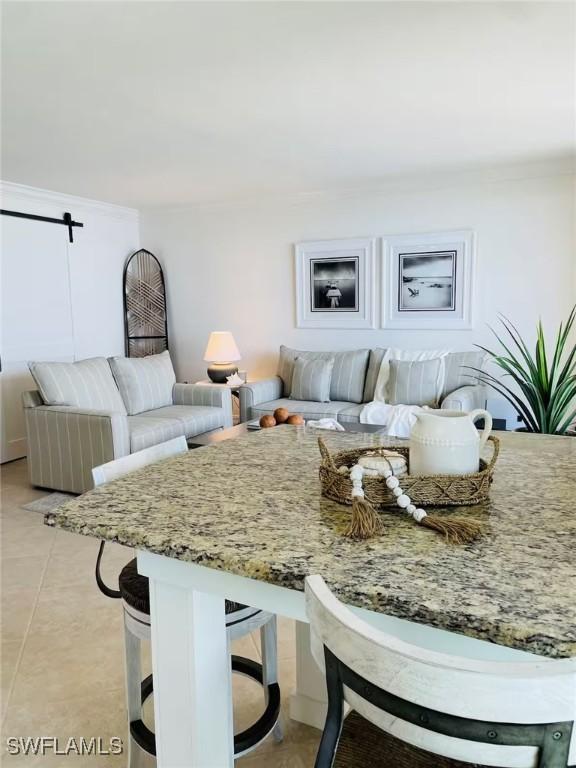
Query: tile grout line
[26, 631]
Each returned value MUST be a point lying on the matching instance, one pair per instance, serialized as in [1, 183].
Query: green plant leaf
[545, 393]
[530, 391]
[541, 362]
[513, 399]
[562, 397]
[566, 423]
[569, 365]
[520, 344]
[561, 339]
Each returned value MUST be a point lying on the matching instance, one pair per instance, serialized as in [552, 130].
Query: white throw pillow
[145, 383]
[87, 384]
[381, 388]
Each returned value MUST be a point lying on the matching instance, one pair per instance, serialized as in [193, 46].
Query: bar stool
[240, 620]
[506, 714]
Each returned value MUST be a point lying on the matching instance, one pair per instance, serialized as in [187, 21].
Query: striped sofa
[354, 377]
[93, 411]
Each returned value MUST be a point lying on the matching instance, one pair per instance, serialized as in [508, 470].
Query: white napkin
[326, 424]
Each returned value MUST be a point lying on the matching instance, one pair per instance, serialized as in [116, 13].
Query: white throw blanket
[398, 419]
[326, 424]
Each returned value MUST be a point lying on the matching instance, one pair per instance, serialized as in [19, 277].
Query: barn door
[36, 316]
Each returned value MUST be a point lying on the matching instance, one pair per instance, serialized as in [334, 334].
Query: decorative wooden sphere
[295, 419]
[267, 421]
[281, 415]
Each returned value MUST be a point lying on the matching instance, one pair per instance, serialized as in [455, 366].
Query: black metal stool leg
[243, 741]
[269, 649]
[258, 731]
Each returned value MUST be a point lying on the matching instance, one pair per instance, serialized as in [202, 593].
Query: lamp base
[218, 372]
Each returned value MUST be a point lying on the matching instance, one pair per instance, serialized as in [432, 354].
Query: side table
[234, 389]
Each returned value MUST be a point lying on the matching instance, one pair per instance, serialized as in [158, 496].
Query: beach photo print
[336, 283]
[427, 280]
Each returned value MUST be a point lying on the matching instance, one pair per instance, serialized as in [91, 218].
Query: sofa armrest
[65, 442]
[465, 398]
[32, 399]
[255, 392]
[217, 396]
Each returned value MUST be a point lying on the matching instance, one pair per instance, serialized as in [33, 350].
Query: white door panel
[35, 313]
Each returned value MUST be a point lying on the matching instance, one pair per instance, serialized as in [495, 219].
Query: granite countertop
[252, 506]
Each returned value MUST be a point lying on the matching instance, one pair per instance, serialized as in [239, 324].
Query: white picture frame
[335, 283]
[427, 281]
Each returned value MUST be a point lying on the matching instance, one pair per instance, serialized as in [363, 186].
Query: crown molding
[45, 197]
[393, 185]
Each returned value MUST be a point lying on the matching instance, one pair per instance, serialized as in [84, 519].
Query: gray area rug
[48, 503]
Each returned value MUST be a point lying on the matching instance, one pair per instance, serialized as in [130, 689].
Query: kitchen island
[245, 519]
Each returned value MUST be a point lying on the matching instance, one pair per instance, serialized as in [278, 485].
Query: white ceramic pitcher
[447, 442]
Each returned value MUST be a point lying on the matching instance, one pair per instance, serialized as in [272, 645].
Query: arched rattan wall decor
[145, 322]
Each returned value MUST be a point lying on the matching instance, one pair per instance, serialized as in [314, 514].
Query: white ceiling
[146, 103]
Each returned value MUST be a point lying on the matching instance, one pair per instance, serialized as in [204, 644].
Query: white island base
[192, 677]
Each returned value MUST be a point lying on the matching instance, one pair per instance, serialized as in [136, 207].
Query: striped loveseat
[87, 413]
[353, 381]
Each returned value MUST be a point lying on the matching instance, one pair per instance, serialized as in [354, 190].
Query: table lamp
[221, 353]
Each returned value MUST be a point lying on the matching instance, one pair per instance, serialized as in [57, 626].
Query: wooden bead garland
[365, 521]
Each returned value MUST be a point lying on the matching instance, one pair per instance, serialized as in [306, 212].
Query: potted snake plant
[543, 393]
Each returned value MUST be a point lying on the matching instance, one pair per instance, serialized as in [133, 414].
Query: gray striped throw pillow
[457, 373]
[311, 379]
[86, 384]
[348, 374]
[145, 383]
[415, 382]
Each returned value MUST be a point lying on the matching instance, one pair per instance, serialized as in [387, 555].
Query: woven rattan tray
[424, 490]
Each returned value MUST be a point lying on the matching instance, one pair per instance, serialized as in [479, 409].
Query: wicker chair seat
[135, 590]
[363, 745]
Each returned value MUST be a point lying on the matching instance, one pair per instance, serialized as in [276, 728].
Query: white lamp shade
[221, 348]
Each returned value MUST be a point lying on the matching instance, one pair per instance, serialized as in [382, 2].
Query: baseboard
[14, 449]
[308, 711]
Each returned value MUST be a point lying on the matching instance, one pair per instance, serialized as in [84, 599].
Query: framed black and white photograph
[335, 283]
[427, 281]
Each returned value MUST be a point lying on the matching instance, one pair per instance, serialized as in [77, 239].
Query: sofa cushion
[374, 363]
[86, 384]
[161, 424]
[457, 374]
[348, 374]
[145, 383]
[145, 433]
[415, 382]
[306, 408]
[311, 379]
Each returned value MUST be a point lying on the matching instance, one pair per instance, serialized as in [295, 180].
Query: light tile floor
[62, 668]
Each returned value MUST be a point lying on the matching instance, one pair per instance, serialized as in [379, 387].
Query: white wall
[60, 301]
[230, 267]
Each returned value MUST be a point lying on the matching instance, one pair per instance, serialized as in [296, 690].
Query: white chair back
[528, 693]
[120, 467]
